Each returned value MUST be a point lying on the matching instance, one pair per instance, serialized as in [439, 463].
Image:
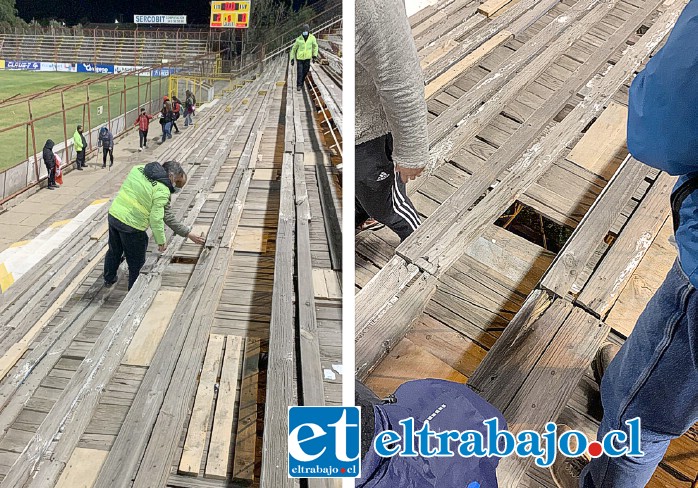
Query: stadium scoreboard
[234, 15]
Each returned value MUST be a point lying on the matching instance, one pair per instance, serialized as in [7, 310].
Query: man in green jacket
[143, 201]
[302, 51]
[80, 143]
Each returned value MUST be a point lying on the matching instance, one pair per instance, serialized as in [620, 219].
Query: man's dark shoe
[50, 188]
[603, 359]
[567, 471]
[298, 88]
[78, 167]
[109, 284]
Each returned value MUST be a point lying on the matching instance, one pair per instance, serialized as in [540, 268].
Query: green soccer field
[17, 143]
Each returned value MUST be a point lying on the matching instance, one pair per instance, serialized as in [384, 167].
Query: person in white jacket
[392, 145]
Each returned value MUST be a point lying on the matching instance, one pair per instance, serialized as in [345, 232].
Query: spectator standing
[80, 144]
[176, 112]
[50, 162]
[188, 109]
[166, 119]
[106, 142]
[302, 51]
[142, 122]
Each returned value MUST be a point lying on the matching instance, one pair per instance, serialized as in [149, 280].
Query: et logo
[324, 442]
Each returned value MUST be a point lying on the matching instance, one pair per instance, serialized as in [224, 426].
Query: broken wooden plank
[644, 281]
[608, 280]
[193, 451]
[245, 452]
[595, 225]
[222, 431]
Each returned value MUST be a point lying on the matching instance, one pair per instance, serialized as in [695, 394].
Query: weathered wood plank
[149, 334]
[608, 281]
[245, 452]
[193, 451]
[581, 246]
[82, 469]
[449, 75]
[222, 433]
[604, 143]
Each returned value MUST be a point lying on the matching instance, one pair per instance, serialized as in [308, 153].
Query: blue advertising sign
[95, 68]
[23, 65]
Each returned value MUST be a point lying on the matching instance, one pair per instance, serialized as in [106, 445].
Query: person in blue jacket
[654, 375]
[447, 406]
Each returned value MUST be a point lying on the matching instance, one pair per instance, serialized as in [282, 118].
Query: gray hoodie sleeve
[174, 224]
[386, 50]
[111, 140]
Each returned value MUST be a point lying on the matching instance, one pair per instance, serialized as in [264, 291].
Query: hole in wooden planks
[642, 30]
[184, 260]
[564, 113]
[533, 226]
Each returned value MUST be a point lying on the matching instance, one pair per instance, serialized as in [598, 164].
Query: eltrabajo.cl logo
[324, 442]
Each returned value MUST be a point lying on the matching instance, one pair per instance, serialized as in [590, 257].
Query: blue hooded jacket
[449, 406]
[663, 123]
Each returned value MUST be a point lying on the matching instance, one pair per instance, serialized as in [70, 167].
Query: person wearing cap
[304, 49]
[392, 142]
[80, 144]
[447, 406]
[143, 201]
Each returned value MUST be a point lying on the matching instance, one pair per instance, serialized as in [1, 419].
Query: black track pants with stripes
[379, 194]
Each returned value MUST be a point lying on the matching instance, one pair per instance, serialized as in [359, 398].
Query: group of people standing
[171, 112]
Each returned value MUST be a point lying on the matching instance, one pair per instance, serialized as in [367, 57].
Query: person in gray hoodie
[50, 162]
[106, 142]
[392, 146]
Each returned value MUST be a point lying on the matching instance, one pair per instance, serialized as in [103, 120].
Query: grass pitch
[17, 144]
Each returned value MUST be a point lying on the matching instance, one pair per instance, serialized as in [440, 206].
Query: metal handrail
[328, 25]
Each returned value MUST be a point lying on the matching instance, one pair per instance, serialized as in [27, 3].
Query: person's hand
[292, 62]
[162, 247]
[196, 239]
[407, 174]
[314, 59]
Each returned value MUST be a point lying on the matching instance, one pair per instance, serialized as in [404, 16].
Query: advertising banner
[23, 65]
[234, 15]
[2, 64]
[160, 19]
[127, 69]
[95, 68]
[62, 67]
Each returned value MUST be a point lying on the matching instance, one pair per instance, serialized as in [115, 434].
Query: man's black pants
[302, 71]
[110, 152]
[51, 169]
[80, 158]
[124, 240]
[143, 134]
[379, 194]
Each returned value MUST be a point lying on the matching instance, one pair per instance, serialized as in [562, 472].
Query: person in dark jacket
[50, 162]
[166, 119]
[188, 109]
[447, 405]
[143, 202]
[654, 376]
[176, 112]
[106, 142]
